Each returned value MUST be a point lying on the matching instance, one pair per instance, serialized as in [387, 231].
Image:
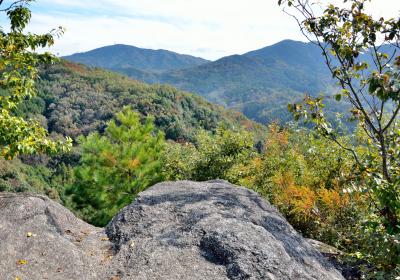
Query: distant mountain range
[124, 56]
[259, 83]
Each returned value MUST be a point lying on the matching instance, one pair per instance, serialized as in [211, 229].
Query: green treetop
[116, 166]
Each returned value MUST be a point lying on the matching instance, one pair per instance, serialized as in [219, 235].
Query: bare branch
[395, 113]
[12, 5]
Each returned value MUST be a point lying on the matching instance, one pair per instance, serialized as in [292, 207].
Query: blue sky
[205, 28]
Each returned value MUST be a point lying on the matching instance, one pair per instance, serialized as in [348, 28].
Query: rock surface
[40, 239]
[180, 230]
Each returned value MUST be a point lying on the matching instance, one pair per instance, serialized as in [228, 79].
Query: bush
[213, 156]
[309, 181]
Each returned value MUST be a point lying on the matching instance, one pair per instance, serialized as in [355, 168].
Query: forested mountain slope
[75, 99]
[259, 83]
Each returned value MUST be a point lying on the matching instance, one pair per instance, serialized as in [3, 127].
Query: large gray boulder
[174, 230]
[40, 239]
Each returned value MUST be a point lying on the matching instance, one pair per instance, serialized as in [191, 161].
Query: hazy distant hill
[123, 56]
[259, 83]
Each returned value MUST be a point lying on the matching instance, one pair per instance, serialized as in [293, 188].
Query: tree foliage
[116, 166]
[309, 180]
[213, 156]
[18, 72]
[362, 54]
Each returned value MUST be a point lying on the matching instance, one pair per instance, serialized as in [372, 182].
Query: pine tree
[116, 166]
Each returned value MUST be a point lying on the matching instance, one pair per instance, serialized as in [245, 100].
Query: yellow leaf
[22, 262]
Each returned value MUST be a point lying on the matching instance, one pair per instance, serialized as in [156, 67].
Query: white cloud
[207, 28]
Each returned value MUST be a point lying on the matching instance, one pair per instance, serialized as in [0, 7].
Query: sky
[206, 28]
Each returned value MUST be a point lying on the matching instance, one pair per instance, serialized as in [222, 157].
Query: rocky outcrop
[174, 230]
[40, 239]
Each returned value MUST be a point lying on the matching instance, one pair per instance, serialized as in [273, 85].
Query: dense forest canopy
[76, 100]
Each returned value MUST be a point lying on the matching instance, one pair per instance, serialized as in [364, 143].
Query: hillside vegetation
[74, 99]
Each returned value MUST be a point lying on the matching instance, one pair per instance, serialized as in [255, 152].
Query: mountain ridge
[146, 59]
[258, 83]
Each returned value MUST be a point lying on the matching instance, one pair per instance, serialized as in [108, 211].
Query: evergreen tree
[116, 166]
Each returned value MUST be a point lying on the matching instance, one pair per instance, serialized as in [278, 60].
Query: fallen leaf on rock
[104, 239]
[22, 262]
[30, 234]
